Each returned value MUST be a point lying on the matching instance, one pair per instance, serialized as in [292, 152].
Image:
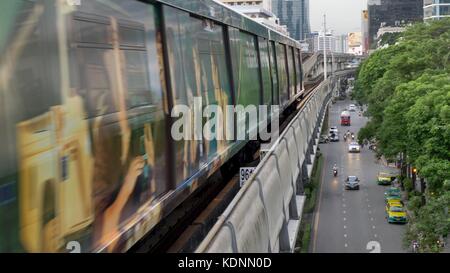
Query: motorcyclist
[415, 246]
[335, 169]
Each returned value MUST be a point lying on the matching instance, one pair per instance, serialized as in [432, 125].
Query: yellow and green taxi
[385, 178]
[392, 194]
[395, 212]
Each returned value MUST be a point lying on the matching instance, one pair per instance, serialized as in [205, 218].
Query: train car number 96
[244, 174]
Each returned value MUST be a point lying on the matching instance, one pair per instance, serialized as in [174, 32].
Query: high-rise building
[295, 15]
[311, 41]
[342, 43]
[327, 42]
[305, 27]
[436, 9]
[392, 13]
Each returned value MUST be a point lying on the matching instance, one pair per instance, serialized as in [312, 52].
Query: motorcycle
[353, 136]
[415, 247]
[335, 172]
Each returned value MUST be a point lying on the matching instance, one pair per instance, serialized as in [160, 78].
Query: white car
[352, 108]
[354, 148]
[333, 134]
[334, 129]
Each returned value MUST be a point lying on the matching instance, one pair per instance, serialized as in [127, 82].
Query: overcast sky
[343, 16]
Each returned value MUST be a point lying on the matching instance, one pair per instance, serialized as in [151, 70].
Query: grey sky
[343, 16]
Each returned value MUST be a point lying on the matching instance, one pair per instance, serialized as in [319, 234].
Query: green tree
[431, 225]
[428, 128]
[391, 134]
[389, 38]
[407, 89]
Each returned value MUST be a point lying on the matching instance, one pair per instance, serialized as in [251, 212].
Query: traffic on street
[352, 217]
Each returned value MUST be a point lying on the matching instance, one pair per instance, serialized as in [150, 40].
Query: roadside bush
[413, 193]
[414, 204]
[307, 192]
[407, 183]
[306, 238]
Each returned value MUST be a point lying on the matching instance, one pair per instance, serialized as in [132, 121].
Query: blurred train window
[95, 55]
[134, 54]
[273, 68]
[282, 73]
[89, 31]
[136, 79]
[298, 69]
[30, 85]
[95, 68]
[248, 91]
[198, 68]
[132, 36]
[290, 59]
[265, 71]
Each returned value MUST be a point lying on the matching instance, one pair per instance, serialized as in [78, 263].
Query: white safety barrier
[265, 214]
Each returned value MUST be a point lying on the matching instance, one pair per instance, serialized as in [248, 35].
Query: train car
[87, 92]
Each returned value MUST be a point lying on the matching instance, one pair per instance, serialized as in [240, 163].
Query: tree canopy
[407, 89]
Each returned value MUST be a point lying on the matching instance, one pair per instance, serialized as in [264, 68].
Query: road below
[352, 221]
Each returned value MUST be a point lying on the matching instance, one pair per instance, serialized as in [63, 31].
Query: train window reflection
[136, 78]
[132, 37]
[91, 32]
[95, 72]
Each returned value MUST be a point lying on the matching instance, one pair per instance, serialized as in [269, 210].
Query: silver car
[352, 183]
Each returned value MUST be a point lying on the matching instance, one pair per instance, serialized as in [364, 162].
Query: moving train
[86, 93]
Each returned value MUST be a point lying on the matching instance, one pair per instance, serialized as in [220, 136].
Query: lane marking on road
[375, 235]
[345, 227]
[346, 245]
[345, 219]
[367, 200]
[344, 205]
[344, 212]
[371, 219]
[373, 227]
[345, 235]
[370, 212]
[368, 205]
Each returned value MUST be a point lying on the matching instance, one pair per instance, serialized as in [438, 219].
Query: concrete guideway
[313, 66]
[265, 214]
[352, 221]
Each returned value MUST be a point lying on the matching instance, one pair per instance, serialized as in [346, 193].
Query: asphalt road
[352, 221]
